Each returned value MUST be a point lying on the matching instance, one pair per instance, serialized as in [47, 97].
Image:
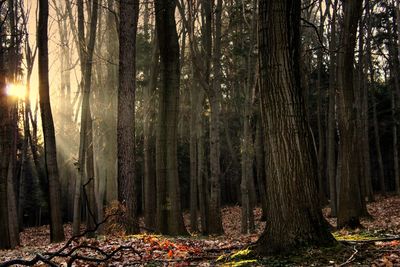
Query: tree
[350, 204]
[51, 168]
[129, 11]
[294, 218]
[331, 136]
[169, 213]
[5, 147]
[86, 172]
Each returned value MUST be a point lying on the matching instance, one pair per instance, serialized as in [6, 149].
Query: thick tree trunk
[129, 11]
[169, 213]
[350, 203]
[51, 168]
[293, 211]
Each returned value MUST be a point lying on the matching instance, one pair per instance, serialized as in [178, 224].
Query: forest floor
[377, 244]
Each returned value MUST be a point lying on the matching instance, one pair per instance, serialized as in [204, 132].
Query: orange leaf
[170, 254]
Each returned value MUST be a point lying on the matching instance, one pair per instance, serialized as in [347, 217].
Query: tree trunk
[150, 200]
[169, 213]
[321, 130]
[350, 203]
[293, 211]
[367, 156]
[129, 11]
[247, 185]
[215, 224]
[377, 138]
[86, 53]
[5, 149]
[110, 125]
[331, 153]
[194, 97]
[51, 168]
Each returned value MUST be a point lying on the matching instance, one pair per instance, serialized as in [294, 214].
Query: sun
[16, 90]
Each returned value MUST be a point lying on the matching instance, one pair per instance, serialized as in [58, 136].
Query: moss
[241, 254]
[357, 235]
[241, 263]
[238, 258]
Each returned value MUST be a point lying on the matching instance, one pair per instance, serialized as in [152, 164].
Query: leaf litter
[156, 250]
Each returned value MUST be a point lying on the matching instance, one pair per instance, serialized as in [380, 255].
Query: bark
[294, 216]
[129, 11]
[12, 204]
[169, 213]
[193, 157]
[394, 66]
[86, 52]
[51, 168]
[260, 163]
[377, 139]
[367, 157]
[247, 184]
[214, 95]
[91, 211]
[350, 205]
[5, 149]
[395, 145]
[321, 130]
[150, 200]
[331, 154]
[110, 123]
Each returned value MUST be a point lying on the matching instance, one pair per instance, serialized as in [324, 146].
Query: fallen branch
[367, 241]
[48, 257]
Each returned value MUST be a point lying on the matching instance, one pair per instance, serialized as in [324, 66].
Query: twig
[351, 259]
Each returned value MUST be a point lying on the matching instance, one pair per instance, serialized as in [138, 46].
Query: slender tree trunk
[395, 145]
[378, 147]
[150, 197]
[5, 149]
[51, 168]
[331, 153]
[86, 53]
[111, 121]
[247, 185]
[193, 157]
[91, 211]
[365, 104]
[321, 130]
[215, 224]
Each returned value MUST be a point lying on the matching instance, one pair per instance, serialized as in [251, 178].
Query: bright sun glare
[16, 90]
